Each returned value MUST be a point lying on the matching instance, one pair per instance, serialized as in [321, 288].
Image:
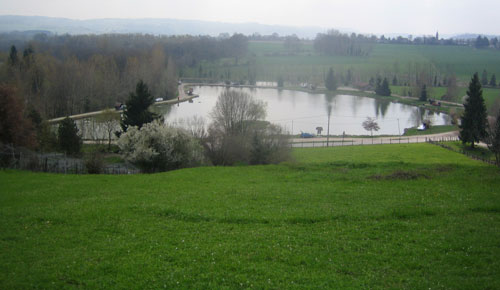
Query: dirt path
[339, 141]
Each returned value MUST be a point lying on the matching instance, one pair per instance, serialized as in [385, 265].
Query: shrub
[157, 147]
[94, 163]
[269, 145]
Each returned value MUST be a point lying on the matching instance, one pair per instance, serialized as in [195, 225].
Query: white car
[158, 99]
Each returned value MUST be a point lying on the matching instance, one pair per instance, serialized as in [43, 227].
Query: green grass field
[478, 151]
[271, 60]
[384, 216]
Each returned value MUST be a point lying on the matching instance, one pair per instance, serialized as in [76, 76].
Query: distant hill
[9, 23]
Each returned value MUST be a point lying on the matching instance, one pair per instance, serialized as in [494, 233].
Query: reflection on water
[381, 107]
[304, 112]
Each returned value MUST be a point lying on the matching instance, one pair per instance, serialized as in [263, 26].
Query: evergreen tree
[137, 111]
[382, 88]
[473, 121]
[394, 81]
[13, 59]
[68, 138]
[331, 81]
[385, 87]
[493, 81]
[423, 93]
[378, 85]
[484, 78]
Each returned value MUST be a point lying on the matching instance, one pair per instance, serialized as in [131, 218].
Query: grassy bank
[490, 95]
[433, 130]
[478, 151]
[392, 216]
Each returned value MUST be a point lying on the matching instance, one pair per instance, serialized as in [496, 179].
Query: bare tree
[239, 135]
[109, 121]
[371, 125]
[235, 110]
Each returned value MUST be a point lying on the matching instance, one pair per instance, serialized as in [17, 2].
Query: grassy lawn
[478, 151]
[383, 216]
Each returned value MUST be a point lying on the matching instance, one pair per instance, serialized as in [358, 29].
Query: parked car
[306, 135]
[158, 99]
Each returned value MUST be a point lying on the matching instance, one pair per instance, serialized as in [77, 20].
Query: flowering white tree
[157, 147]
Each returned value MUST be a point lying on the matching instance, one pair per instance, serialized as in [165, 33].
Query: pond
[300, 112]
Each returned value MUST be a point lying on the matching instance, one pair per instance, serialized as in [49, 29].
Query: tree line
[335, 43]
[65, 75]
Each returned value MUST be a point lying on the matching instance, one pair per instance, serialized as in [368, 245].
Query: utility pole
[399, 130]
[328, 131]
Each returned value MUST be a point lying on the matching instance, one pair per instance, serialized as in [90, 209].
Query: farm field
[382, 216]
[271, 60]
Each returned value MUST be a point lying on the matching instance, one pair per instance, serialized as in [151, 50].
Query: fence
[374, 141]
[23, 159]
[466, 153]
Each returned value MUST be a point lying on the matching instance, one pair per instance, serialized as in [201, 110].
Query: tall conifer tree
[474, 120]
[137, 107]
[330, 81]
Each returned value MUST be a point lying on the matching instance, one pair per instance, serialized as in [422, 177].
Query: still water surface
[303, 112]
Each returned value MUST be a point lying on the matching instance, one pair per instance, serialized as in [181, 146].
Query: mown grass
[382, 216]
[479, 151]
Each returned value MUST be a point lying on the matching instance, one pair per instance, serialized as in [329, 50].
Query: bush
[157, 147]
[269, 145]
[94, 163]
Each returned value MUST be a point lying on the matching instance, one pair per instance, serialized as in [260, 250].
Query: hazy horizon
[368, 17]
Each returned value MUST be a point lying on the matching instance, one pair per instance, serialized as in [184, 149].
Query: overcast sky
[365, 16]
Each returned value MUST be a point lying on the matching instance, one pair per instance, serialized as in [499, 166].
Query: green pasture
[270, 60]
[409, 216]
